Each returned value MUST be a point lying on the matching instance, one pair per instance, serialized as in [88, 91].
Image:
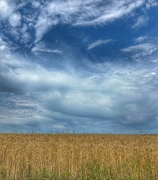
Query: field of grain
[78, 157]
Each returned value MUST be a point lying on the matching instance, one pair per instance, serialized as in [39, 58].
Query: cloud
[43, 47]
[151, 3]
[98, 43]
[82, 13]
[141, 50]
[143, 47]
[44, 23]
[15, 20]
[41, 17]
[4, 47]
[107, 13]
[141, 39]
[141, 22]
[121, 99]
[32, 95]
[35, 4]
[6, 8]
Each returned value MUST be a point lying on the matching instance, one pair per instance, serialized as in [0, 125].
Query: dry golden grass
[75, 156]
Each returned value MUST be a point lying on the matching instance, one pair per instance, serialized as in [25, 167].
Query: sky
[90, 66]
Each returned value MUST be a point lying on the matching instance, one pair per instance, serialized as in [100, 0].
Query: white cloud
[151, 3]
[73, 12]
[98, 43]
[141, 49]
[141, 39]
[26, 35]
[43, 24]
[108, 13]
[6, 8]
[35, 4]
[140, 22]
[42, 47]
[15, 20]
[4, 48]
[82, 13]
[58, 126]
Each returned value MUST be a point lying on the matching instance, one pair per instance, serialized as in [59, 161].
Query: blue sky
[86, 65]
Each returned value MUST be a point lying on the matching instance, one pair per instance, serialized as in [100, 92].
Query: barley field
[78, 157]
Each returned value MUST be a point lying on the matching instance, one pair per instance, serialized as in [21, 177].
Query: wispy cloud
[141, 39]
[141, 50]
[42, 47]
[107, 12]
[83, 13]
[42, 16]
[141, 22]
[98, 43]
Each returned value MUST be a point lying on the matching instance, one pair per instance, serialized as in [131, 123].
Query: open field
[78, 157]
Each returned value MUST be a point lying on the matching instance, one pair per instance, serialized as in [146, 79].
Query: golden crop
[78, 156]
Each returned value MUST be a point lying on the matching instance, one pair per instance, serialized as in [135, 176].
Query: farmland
[78, 157]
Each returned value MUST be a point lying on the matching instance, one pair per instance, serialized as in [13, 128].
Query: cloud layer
[125, 98]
